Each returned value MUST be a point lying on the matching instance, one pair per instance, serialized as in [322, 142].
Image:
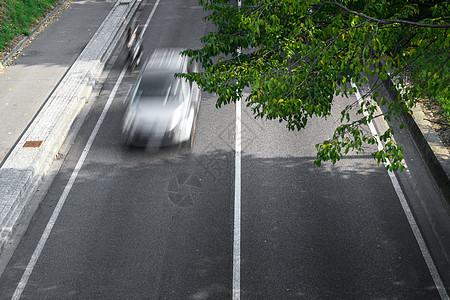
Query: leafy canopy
[296, 56]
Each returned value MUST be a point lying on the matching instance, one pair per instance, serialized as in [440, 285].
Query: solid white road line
[237, 204]
[37, 252]
[149, 18]
[412, 222]
[237, 209]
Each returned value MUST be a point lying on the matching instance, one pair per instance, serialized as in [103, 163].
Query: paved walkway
[28, 82]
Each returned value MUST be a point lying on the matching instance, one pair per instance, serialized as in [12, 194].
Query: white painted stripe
[37, 252]
[237, 204]
[412, 222]
[149, 18]
[237, 209]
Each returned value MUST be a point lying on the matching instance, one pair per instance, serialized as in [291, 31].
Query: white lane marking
[237, 204]
[412, 222]
[237, 209]
[37, 252]
[62, 199]
[149, 17]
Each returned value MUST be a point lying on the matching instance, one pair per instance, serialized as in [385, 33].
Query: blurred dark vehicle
[134, 43]
[161, 109]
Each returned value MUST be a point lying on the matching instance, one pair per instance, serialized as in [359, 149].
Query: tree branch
[383, 21]
[435, 71]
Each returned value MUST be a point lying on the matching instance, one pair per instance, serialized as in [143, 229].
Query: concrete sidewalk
[44, 89]
[30, 78]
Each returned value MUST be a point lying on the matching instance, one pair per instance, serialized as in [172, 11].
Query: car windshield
[158, 87]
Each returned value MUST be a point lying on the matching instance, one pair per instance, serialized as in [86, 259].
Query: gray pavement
[119, 236]
[47, 84]
[44, 89]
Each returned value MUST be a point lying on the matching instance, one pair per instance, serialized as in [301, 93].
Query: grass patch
[18, 17]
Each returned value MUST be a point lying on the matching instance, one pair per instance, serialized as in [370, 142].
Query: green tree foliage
[298, 55]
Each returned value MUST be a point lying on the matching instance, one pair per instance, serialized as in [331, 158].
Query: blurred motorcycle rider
[134, 43]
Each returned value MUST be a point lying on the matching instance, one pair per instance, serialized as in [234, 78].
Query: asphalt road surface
[179, 224]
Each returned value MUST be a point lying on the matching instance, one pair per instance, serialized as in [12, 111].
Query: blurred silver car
[162, 109]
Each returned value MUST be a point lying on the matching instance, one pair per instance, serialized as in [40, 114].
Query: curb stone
[433, 151]
[24, 168]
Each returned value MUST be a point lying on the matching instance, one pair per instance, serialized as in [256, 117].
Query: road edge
[430, 146]
[24, 168]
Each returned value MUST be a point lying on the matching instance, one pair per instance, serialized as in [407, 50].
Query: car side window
[179, 91]
[184, 90]
[176, 87]
[136, 94]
